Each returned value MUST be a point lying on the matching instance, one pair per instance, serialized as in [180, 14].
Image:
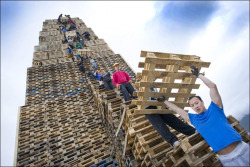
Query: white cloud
[228, 52]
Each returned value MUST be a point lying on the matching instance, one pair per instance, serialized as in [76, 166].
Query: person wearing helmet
[213, 126]
[122, 81]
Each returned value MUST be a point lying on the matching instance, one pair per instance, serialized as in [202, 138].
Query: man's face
[117, 67]
[197, 105]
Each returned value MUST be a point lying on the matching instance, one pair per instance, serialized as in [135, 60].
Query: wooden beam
[153, 111]
[156, 103]
[167, 85]
[159, 94]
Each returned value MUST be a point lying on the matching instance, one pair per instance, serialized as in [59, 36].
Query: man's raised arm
[214, 93]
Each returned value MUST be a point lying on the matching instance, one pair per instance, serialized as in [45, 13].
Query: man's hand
[130, 81]
[118, 86]
[161, 99]
[195, 71]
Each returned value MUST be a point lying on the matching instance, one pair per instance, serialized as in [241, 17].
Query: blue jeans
[127, 89]
[159, 122]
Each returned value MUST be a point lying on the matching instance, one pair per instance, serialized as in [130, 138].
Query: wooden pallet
[169, 68]
[70, 34]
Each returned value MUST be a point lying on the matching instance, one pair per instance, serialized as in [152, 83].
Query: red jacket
[120, 77]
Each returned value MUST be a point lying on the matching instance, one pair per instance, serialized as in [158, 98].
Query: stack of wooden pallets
[70, 120]
[176, 80]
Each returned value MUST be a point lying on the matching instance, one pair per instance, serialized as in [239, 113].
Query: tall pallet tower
[69, 120]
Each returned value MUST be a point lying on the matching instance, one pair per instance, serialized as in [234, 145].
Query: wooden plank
[167, 85]
[158, 94]
[161, 64]
[154, 111]
[160, 54]
[161, 74]
[156, 103]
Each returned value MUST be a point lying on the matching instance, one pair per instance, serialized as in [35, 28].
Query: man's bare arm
[178, 110]
[175, 108]
[214, 93]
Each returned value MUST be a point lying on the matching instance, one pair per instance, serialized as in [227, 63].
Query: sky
[217, 31]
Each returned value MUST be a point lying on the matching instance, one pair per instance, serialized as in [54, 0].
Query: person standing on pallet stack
[107, 81]
[122, 81]
[213, 126]
[59, 19]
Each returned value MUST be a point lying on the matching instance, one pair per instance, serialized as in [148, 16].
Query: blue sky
[217, 31]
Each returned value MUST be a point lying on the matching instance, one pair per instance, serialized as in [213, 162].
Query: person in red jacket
[122, 81]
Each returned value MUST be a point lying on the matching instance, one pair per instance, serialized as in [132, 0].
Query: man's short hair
[193, 97]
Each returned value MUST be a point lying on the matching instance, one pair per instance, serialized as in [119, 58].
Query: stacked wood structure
[69, 120]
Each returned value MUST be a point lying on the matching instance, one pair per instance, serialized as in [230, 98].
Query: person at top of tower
[122, 81]
[86, 35]
[68, 16]
[213, 126]
[59, 19]
[72, 27]
[107, 81]
[71, 22]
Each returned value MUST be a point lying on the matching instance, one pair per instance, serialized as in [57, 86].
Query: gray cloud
[187, 15]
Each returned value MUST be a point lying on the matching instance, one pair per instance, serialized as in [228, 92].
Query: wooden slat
[161, 74]
[154, 111]
[158, 94]
[166, 85]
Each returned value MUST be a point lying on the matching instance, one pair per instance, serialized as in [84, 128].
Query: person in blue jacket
[98, 75]
[213, 126]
